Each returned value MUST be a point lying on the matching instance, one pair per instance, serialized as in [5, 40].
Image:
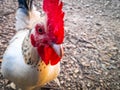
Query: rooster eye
[40, 31]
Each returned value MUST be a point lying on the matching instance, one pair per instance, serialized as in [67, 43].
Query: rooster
[32, 58]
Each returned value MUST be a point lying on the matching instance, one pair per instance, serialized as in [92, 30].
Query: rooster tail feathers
[26, 4]
[25, 14]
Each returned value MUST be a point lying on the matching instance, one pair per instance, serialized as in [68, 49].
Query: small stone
[68, 79]
[87, 5]
[80, 76]
[98, 88]
[75, 75]
[69, 88]
[76, 70]
[62, 82]
[72, 62]
[89, 17]
[98, 24]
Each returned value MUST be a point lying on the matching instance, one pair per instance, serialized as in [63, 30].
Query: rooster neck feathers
[30, 54]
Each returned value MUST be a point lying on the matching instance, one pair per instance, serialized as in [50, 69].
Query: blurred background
[92, 44]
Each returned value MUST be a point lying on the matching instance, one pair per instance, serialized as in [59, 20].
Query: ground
[92, 44]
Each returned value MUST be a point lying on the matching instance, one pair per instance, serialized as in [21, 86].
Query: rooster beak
[58, 49]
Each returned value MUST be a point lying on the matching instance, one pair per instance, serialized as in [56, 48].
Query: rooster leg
[57, 81]
[0, 60]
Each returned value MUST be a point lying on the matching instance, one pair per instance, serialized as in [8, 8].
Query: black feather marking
[25, 5]
[30, 7]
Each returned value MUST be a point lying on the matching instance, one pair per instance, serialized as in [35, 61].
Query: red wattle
[48, 55]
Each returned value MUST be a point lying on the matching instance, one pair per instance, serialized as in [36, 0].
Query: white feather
[13, 66]
[24, 20]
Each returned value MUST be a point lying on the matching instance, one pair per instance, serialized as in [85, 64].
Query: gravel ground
[92, 44]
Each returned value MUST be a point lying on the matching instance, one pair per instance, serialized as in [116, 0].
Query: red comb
[55, 15]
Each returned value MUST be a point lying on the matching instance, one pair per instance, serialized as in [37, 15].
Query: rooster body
[25, 76]
[25, 61]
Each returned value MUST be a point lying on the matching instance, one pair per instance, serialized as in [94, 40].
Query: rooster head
[47, 37]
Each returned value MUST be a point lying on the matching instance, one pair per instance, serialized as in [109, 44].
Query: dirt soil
[92, 44]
